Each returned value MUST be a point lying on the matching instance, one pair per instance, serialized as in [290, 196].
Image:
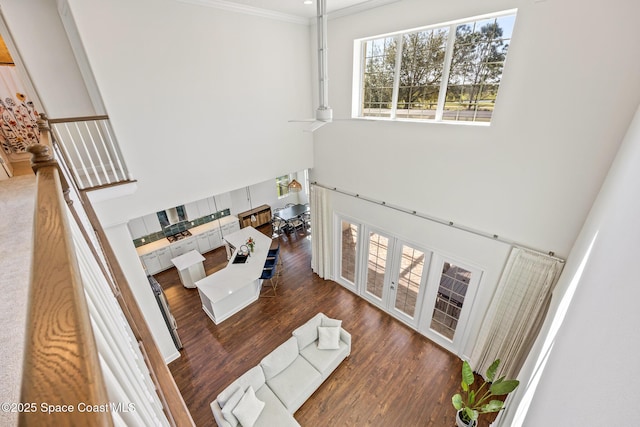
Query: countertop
[230, 279]
[163, 243]
[184, 261]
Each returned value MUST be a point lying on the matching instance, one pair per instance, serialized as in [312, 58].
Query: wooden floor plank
[394, 376]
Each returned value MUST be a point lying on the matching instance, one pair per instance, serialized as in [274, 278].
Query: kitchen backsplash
[179, 227]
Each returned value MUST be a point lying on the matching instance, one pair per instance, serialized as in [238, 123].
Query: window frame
[360, 64]
[283, 190]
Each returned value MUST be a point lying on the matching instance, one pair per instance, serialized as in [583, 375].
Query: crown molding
[360, 7]
[249, 10]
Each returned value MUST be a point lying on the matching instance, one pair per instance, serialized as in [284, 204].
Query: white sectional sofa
[268, 394]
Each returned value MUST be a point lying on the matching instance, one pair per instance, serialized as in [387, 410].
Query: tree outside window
[282, 185]
[425, 75]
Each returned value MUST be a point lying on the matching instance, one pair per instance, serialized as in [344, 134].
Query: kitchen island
[231, 289]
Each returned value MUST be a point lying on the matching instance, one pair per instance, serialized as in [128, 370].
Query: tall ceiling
[298, 8]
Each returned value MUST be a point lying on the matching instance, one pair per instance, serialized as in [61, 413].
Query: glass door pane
[454, 283]
[348, 251]
[376, 265]
[411, 269]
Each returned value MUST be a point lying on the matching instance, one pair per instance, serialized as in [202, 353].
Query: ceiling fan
[324, 113]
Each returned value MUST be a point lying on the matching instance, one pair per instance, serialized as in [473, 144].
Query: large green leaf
[471, 414]
[493, 406]
[457, 401]
[471, 399]
[491, 371]
[503, 387]
[467, 373]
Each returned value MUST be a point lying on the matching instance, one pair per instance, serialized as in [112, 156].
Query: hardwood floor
[394, 376]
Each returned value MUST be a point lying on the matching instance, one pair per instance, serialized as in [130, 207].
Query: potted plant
[479, 401]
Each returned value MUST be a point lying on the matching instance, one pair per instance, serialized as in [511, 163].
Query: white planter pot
[461, 423]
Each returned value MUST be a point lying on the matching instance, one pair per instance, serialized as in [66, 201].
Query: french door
[395, 276]
[448, 302]
[428, 291]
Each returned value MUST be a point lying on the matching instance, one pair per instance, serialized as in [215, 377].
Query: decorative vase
[461, 423]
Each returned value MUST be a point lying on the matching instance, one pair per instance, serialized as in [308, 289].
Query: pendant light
[295, 186]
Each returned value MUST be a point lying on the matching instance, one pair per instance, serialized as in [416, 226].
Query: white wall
[569, 89]
[593, 357]
[43, 46]
[199, 97]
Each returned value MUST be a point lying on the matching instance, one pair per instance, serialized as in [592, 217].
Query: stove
[179, 236]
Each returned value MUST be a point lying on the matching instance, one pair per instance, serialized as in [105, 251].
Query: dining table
[287, 214]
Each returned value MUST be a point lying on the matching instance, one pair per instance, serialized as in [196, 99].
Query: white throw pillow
[230, 406]
[249, 408]
[328, 337]
[327, 321]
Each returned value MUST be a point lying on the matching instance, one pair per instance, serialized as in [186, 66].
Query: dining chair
[296, 223]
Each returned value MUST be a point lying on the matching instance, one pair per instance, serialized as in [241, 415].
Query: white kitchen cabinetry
[152, 223]
[192, 211]
[151, 263]
[203, 207]
[214, 238]
[230, 227]
[183, 246]
[137, 228]
[223, 201]
[164, 256]
[209, 240]
[203, 243]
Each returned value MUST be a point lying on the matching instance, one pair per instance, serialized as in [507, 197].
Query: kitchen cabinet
[183, 246]
[193, 211]
[230, 227]
[209, 240]
[223, 201]
[164, 256]
[214, 238]
[203, 207]
[203, 243]
[137, 228]
[151, 263]
[152, 223]
[261, 213]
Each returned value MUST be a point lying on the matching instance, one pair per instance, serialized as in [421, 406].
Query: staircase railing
[90, 150]
[61, 369]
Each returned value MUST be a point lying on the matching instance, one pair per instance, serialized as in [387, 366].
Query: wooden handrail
[61, 371]
[78, 119]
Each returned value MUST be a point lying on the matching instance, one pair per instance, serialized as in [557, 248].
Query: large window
[448, 72]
